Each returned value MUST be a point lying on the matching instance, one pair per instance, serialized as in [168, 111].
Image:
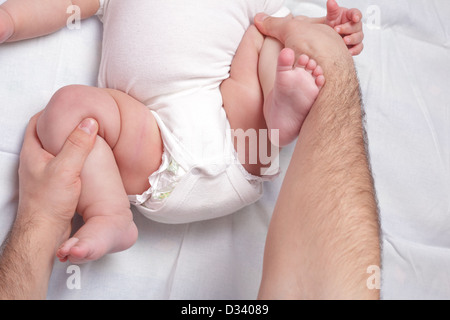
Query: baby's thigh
[138, 151]
[241, 92]
[244, 67]
[242, 95]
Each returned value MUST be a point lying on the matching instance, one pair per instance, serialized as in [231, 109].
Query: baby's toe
[286, 59]
[320, 81]
[312, 64]
[302, 61]
[318, 71]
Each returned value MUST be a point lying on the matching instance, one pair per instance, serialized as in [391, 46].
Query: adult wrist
[39, 223]
[28, 256]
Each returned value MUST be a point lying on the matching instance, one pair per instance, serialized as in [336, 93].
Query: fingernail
[89, 126]
[337, 29]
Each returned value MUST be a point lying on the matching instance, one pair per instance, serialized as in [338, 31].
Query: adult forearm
[337, 192]
[27, 259]
[326, 217]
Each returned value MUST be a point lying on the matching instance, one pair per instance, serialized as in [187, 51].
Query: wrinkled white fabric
[404, 74]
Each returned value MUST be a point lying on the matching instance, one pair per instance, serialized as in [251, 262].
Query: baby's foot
[100, 235]
[295, 91]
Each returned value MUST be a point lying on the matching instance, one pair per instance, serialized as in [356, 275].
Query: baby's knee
[69, 106]
[58, 118]
[63, 103]
[67, 97]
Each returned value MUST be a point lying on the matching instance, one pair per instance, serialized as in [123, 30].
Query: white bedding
[404, 72]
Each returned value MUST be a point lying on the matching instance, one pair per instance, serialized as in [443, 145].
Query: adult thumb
[272, 26]
[78, 145]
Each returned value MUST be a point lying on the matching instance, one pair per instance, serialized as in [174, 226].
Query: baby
[182, 86]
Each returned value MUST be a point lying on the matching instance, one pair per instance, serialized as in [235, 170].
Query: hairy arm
[324, 233]
[24, 19]
[27, 258]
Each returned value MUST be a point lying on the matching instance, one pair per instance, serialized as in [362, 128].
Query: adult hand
[49, 186]
[314, 39]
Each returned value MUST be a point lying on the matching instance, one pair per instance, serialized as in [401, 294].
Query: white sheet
[404, 71]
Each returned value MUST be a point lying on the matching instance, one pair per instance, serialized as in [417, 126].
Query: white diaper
[188, 188]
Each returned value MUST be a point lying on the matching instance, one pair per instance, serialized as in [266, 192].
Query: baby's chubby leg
[127, 150]
[243, 99]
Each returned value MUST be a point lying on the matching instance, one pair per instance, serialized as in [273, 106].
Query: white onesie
[172, 55]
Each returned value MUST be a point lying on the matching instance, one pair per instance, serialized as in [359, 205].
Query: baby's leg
[128, 147]
[243, 99]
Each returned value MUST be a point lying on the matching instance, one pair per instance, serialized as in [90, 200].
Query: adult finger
[273, 27]
[32, 153]
[78, 145]
[31, 141]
